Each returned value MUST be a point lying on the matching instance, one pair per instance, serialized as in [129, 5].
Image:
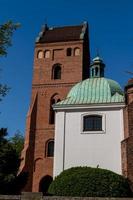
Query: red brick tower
[61, 60]
[127, 143]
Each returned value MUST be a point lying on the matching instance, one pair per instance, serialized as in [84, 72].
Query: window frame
[95, 131]
[54, 76]
[46, 148]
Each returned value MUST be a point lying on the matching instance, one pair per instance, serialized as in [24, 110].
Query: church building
[89, 124]
[76, 117]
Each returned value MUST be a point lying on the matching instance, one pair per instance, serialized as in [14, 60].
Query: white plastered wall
[75, 148]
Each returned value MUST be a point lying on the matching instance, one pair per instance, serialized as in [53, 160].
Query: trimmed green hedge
[90, 182]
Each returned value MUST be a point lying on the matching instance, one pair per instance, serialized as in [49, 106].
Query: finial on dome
[97, 57]
[97, 54]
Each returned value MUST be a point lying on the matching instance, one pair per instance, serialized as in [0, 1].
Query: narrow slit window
[57, 72]
[52, 113]
[96, 71]
[50, 148]
[69, 52]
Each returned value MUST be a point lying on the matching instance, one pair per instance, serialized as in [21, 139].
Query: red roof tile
[60, 34]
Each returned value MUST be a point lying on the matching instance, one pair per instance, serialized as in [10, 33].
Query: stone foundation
[39, 196]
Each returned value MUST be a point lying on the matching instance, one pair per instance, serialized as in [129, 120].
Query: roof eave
[50, 42]
[89, 106]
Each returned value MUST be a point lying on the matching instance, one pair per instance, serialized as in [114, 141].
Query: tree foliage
[3, 90]
[17, 142]
[6, 32]
[90, 182]
[9, 148]
[9, 160]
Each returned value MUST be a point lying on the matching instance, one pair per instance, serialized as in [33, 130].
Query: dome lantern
[97, 68]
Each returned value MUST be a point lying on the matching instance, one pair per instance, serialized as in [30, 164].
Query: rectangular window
[92, 123]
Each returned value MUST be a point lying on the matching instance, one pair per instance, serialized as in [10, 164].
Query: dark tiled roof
[59, 34]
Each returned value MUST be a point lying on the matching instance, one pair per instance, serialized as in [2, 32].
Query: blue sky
[111, 31]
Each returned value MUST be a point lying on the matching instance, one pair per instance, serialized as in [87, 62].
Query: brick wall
[74, 68]
[127, 143]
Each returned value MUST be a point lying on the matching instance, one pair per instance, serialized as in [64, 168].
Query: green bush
[90, 182]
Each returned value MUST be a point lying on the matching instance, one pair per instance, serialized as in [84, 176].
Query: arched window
[47, 54]
[96, 71]
[69, 51]
[92, 72]
[40, 54]
[92, 123]
[76, 51]
[50, 148]
[101, 72]
[57, 72]
[52, 113]
[54, 99]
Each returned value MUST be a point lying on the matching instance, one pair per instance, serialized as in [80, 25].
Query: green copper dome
[94, 91]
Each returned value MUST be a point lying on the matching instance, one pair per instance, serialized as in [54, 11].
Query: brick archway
[44, 184]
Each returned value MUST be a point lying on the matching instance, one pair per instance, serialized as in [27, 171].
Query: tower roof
[62, 34]
[94, 91]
